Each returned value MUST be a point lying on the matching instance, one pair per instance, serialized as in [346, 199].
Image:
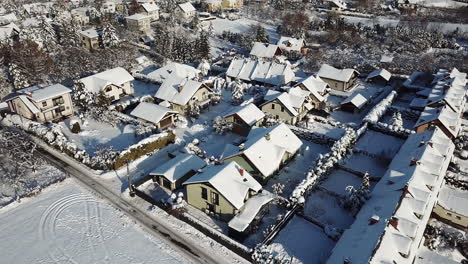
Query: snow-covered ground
[372, 143]
[338, 180]
[376, 167]
[304, 242]
[66, 224]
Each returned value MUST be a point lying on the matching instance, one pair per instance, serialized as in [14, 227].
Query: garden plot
[380, 144]
[325, 129]
[376, 167]
[338, 180]
[303, 241]
[143, 88]
[408, 123]
[295, 170]
[96, 134]
[351, 119]
[270, 218]
[326, 209]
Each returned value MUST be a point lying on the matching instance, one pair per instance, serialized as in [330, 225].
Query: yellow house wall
[225, 209]
[285, 115]
[443, 213]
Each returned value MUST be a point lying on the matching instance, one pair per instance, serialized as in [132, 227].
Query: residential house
[108, 7]
[319, 91]
[337, 5]
[80, 15]
[183, 94]
[452, 207]
[292, 46]
[176, 171]
[265, 151]
[380, 76]
[265, 50]
[90, 39]
[185, 11]
[212, 6]
[151, 10]
[221, 189]
[230, 4]
[442, 117]
[41, 103]
[243, 118]
[160, 116]
[146, 2]
[115, 83]
[353, 103]
[9, 32]
[289, 107]
[389, 227]
[182, 71]
[341, 80]
[139, 23]
[261, 72]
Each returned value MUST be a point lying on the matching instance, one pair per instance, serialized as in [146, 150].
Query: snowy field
[327, 210]
[376, 167]
[66, 224]
[303, 241]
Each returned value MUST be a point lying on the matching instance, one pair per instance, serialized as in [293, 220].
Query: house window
[108, 88]
[458, 217]
[44, 104]
[204, 193]
[282, 108]
[272, 106]
[449, 214]
[58, 100]
[215, 198]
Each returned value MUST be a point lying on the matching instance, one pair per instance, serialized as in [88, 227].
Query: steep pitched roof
[263, 50]
[260, 71]
[173, 69]
[179, 166]
[386, 75]
[137, 17]
[150, 7]
[228, 181]
[151, 112]
[357, 99]
[315, 86]
[178, 90]
[117, 76]
[290, 44]
[332, 73]
[249, 113]
[283, 98]
[449, 119]
[186, 7]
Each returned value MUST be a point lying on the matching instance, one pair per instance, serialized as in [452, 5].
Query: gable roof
[357, 99]
[137, 17]
[283, 98]
[173, 69]
[8, 31]
[228, 181]
[332, 73]
[267, 154]
[315, 86]
[179, 166]
[290, 44]
[150, 7]
[386, 75]
[249, 211]
[249, 113]
[117, 76]
[454, 200]
[261, 71]
[263, 50]
[187, 7]
[40, 93]
[151, 112]
[90, 33]
[449, 119]
[178, 90]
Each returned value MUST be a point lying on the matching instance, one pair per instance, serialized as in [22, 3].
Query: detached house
[90, 39]
[176, 171]
[160, 116]
[265, 151]
[292, 45]
[243, 118]
[341, 80]
[182, 94]
[265, 50]
[139, 23]
[172, 69]
[319, 91]
[211, 5]
[354, 103]
[185, 10]
[380, 76]
[452, 206]
[41, 104]
[115, 83]
[80, 15]
[289, 107]
[442, 117]
[221, 189]
[232, 3]
[150, 10]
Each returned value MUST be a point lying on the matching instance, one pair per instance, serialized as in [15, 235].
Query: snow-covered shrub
[333, 232]
[379, 109]
[75, 127]
[104, 158]
[263, 254]
[355, 199]
[270, 120]
[221, 126]
[396, 120]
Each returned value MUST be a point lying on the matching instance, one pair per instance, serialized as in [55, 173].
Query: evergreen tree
[109, 36]
[261, 35]
[82, 97]
[195, 21]
[18, 77]
[202, 49]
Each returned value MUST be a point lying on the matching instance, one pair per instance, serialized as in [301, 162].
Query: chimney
[241, 146]
[374, 219]
[241, 172]
[430, 144]
[394, 222]
[346, 261]
[268, 136]
[422, 143]
[406, 191]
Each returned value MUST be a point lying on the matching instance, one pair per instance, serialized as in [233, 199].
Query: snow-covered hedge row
[391, 130]
[379, 109]
[323, 165]
[406, 113]
[327, 121]
[309, 135]
[145, 78]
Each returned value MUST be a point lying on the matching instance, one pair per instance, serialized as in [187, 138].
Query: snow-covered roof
[407, 191]
[261, 71]
[263, 50]
[454, 200]
[179, 70]
[315, 86]
[228, 181]
[265, 147]
[179, 166]
[332, 73]
[151, 112]
[40, 93]
[137, 17]
[357, 99]
[449, 88]
[386, 75]
[38, 8]
[338, 3]
[11, 17]
[251, 208]
[90, 33]
[427, 256]
[117, 76]
[178, 90]
[290, 44]
[186, 7]
[386, 58]
[284, 98]
[150, 7]
[449, 119]
[8, 31]
[249, 113]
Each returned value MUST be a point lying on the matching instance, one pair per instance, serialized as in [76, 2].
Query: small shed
[380, 76]
[162, 117]
[243, 118]
[354, 103]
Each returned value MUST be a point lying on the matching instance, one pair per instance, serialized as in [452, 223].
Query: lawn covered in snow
[376, 167]
[66, 224]
[338, 180]
[303, 241]
[373, 142]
